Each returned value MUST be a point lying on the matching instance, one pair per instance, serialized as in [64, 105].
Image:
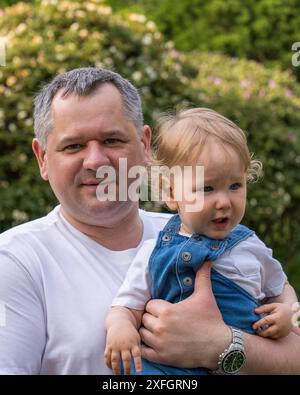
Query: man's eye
[235, 186]
[73, 147]
[112, 141]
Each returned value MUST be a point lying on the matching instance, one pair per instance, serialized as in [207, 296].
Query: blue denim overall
[173, 265]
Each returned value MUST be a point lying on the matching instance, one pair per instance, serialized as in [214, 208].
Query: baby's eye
[235, 186]
[207, 189]
[203, 189]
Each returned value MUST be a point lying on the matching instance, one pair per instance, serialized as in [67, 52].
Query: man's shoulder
[157, 218]
[153, 222]
[155, 215]
[18, 234]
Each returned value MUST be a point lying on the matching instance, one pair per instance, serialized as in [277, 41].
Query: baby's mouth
[222, 220]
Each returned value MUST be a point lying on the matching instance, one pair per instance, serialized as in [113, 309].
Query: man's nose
[223, 201]
[94, 156]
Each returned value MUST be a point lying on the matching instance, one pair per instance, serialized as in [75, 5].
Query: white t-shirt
[249, 264]
[56, 287]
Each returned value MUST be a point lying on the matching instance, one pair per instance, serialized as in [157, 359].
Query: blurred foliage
[262, 30]
[6, 3]
[55, 36]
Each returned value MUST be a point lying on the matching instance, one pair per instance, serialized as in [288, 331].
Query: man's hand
[187, 334]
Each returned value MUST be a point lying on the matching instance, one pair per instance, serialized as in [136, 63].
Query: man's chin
[106, 208]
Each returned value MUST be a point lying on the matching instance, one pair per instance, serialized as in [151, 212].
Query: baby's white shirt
[249, 264]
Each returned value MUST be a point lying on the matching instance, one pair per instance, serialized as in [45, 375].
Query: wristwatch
[232, 358]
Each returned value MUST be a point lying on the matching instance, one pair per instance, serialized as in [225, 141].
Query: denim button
[214, 247]
[186, 256]
[166, 238]
[187, 281]
[197, 237]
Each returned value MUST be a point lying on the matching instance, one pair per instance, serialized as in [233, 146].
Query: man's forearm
[266, 356]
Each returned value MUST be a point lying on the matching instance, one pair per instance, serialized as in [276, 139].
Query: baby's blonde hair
[181, 138]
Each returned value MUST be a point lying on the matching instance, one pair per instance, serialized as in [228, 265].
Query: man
[59, 274]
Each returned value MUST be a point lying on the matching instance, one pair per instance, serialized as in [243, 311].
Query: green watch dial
[233, 362]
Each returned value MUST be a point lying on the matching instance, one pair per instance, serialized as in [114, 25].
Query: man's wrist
[233, 358]
[221, 340]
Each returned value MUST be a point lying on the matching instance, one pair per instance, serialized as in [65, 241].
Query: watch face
[233, 362]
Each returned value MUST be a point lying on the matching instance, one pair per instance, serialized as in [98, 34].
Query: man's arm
[192, 333]
[266, 356]
[22, 332]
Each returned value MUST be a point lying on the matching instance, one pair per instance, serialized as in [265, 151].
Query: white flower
[49, 2]
[137, 18]
[147, 39]
[22, 158]
[151, 73]
[60, 57]
[104, 10]
[28, 122]
[99, 64]
[22, 114]
[21, 28]
[150, 25]
[108, 61]
[74, 26]
[169, 44]
[83, 33]
[136, 76]
[19, 215]
[12, 127]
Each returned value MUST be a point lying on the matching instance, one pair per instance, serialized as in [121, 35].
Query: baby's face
[224, 193]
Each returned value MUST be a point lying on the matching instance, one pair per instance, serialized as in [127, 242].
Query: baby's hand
[278, 322]
[125, 344]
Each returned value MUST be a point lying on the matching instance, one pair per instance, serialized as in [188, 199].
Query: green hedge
[6, 3]
[262, 30]
[53, 37]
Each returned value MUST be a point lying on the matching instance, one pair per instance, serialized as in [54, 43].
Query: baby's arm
[123, 340]
[278, 322]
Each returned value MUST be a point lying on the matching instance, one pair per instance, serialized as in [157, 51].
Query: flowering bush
[55, 36]
[261, 30]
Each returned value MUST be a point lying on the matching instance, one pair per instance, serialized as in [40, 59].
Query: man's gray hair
[82, 82]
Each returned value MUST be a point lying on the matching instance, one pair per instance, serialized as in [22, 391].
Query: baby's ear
[169, 197]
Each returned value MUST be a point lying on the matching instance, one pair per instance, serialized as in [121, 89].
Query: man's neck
[125, 234]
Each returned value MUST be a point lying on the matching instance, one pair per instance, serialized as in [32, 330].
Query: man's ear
[40, 154]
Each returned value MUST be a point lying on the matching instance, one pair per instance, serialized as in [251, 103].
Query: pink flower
[272, 84]
[246, 82]
[262, 92]
[217, 81]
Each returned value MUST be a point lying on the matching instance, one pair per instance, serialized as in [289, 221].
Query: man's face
[89, 132]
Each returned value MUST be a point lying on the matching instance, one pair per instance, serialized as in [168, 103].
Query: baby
[246, 280]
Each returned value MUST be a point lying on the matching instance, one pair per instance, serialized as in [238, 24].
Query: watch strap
[237, 344]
